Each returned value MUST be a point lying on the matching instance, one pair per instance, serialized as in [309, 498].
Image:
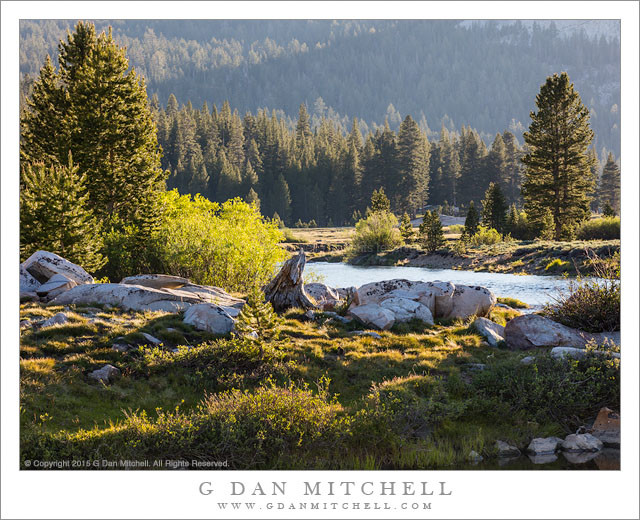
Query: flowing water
[531, 289]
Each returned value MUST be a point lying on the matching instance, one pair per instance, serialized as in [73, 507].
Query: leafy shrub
[567, 392]
[606, 228]
[229, 245]
[378, 232]
[485, 236]
[271, 427]
[403, 408]
[130, 251]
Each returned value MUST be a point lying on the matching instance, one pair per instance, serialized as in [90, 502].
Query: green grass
[316, 398]
[513, 302]
[557, 265]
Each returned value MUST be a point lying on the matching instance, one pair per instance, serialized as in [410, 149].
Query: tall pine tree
[558, 169]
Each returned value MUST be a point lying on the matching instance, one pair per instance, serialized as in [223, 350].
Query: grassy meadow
[317, 397]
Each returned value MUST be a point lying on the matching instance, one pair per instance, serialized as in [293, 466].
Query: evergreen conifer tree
[557, 166]
[472, 221]
[257, 316]
[610, 183]
[252, 198]
[97, 109]
[406, 229]
[379, 201]
[431, 233]
[55, 217]
[608, 210]
[413, 164]
[494, 208]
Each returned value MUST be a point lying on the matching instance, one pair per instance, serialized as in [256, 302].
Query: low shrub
[401, 409]
[378, 232]
[591, 304]
[272, 427]
[485, 237]
[606, 228]
[568, 392]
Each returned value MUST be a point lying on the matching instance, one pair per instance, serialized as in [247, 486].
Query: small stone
[58, 319]
[106, 374]
[493, 332]
[121, 347]
[310, 315]
[151, 339]
[478, 367]
[581, 442]
[507, 450]
[475, 456]
[544, 446]
[25, 324]
[527, 360]
[169, 329]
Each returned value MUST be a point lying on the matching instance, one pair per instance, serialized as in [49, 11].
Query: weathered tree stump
[286, 290]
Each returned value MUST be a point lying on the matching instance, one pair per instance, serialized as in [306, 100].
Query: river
[531, 289]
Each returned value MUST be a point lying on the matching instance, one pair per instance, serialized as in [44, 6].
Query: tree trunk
[286, 290]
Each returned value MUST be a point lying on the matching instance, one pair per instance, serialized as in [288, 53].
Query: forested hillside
[485, 75]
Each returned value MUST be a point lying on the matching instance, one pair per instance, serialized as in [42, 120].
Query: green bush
[568, 392]
[378, 232]
[403, 408]
[229, 245]
[271, 427]
[485, 237]
[606, 228]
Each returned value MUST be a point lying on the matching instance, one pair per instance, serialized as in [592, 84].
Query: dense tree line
[442, 72]
[324, 174]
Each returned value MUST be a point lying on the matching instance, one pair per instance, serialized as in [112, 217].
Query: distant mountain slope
[485, 75]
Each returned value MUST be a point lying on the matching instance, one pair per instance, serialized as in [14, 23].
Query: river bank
[525, 257]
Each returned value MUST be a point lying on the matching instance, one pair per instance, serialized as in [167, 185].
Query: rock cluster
[381, 304]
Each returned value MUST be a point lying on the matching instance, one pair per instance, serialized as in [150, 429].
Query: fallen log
[286, 290]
